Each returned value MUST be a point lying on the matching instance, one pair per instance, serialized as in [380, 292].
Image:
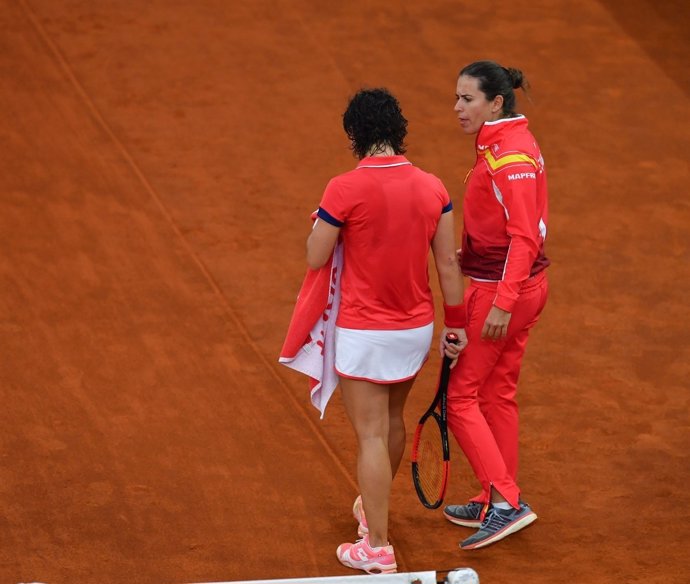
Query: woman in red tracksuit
[505, 218]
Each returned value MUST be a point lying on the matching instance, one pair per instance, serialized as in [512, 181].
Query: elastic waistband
[529, 284]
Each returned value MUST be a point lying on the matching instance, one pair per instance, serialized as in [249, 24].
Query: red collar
[492, 132]
[382, 161]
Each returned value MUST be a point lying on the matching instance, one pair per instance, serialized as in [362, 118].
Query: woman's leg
[367, 406]
[496, 396]
[498, 404]
[396, 432]
[465, 420]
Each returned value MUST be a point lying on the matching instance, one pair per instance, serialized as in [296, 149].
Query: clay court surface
[159, 163]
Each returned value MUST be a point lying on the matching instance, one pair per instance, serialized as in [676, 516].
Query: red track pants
[482, 411]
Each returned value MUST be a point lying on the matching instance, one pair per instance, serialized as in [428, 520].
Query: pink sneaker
[361, 556]
[358, 512]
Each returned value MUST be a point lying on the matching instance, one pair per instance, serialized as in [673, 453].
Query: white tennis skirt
[388, 356]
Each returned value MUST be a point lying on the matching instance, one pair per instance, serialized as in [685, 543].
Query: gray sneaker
[466, 515]
[498, 524]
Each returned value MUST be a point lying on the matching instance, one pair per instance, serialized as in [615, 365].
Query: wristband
[454, 316]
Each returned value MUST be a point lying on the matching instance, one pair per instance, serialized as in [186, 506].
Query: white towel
[316, 307]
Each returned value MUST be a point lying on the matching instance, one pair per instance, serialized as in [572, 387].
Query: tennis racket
[430, 450]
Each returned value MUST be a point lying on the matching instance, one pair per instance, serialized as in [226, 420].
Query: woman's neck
[381, 150]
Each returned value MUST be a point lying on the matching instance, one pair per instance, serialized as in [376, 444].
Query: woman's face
[472, 107]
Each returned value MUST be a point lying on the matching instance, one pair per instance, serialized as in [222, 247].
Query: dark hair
[497, 80]
[373, 119]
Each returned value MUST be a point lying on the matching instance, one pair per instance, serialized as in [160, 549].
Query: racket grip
[453, 339]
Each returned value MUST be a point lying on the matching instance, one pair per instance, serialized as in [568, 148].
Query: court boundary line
[228, 309]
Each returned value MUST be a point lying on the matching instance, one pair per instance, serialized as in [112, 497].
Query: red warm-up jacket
[505, 209]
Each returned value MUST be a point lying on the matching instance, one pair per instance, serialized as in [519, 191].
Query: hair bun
[515, 76]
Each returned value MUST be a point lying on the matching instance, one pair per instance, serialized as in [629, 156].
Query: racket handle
[453, 339]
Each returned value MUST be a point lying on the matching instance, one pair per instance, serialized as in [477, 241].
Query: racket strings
[431, 468]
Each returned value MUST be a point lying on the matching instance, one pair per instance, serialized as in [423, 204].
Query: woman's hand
[496, 324]
[452, 350]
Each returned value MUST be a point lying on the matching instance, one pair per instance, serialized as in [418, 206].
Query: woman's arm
[450, 280]
[443, 248]
[320, 243]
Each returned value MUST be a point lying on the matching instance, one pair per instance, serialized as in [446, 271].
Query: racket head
[430, 460]
[430, 449]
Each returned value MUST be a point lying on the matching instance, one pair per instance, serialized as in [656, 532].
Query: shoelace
[494, 520]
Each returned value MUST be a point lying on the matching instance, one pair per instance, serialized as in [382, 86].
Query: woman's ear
[497, 104]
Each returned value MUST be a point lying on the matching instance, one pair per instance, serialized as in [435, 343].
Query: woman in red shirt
[388, 215]
[505, 212]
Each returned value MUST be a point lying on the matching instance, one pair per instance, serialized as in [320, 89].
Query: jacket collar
[492, 132]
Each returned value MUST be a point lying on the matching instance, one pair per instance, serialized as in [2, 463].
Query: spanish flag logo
[495, 164]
